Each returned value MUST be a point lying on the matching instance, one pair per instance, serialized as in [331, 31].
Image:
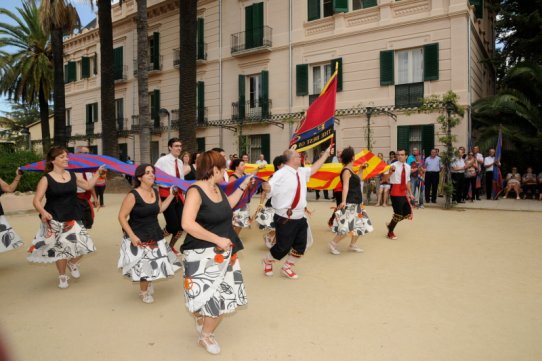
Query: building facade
[262, 62]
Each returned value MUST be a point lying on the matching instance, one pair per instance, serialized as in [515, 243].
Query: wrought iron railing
[120, 72]
[251, 110]
[152, 66]
[409, 95]
[122, 124]
[251, 39]
[89, 128]
[201, 54]
[201, 115]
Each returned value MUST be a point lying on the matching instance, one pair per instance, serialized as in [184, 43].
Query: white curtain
[316, 80]
[417, 65]
[402, 67]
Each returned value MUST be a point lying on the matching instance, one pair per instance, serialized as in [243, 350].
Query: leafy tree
[26, 72]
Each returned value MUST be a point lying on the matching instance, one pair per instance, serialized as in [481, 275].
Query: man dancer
[172, 165]
[400, 193]
[84, 196]
[432, 173]
[288, 191]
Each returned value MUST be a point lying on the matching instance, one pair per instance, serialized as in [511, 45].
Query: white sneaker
[208, 342]
[63, 281]
[146, 297]
[74, 269]
[355, 248]
[333, 248]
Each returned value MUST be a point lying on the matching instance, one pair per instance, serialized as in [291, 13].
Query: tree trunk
[110, 142]
[58, 97]
[142, 83]
[187, 73]
[44, 121]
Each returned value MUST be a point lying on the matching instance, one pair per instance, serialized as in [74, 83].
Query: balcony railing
[89, 128]
[120, 72]
[156, 125]
[68, 130]
[201, 54]
[409, 95]
[251, 40]
[135, 123]
[201, 115]
[122, 124]
[152, 66]
[251, 110]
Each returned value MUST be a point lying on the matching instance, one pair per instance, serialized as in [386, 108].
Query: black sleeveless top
[354, 188]
[144, 218]
[61, 199]
[192, 174]
[216, 218]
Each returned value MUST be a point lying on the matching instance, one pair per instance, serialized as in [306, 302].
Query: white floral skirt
[8, 238]
[352, 220]
[241, 217]
[60, 240]
[264, 218]
[213, 282]
[150, 262]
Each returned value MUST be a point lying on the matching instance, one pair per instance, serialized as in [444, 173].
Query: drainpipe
[290, 125]
[469, 94]
[220, 110]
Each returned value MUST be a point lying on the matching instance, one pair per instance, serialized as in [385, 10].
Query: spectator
[513, 183]
[432, 170]
[471, 171]
[415, 162]
[100, 185]
[392, 157]
[458, 175]
[245, 158]
[480, 161]
[489, 165]
[528, 182]
[261, 160]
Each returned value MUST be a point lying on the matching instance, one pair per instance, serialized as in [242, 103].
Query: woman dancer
[8, 238]
[62, 238]
[144, 254]
[213, 282]
[241, 216]
[350, 217]
[188, 166]
[266, 212]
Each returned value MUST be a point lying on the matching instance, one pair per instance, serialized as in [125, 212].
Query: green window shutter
[340, 6]
[313, 9]
[71, 71]
[155, 107]
[201, 37]
[118, 63]
[301, 79]
[249, 37]
[95, 112]
[201, 144]
[257, 24]
[403, 138]
[386, 68]
[478, 8]
[241, 97]
[88, 113]
[369, 3]
[95, 64]
[339, 73]
[266, 146]
[264, 101]
[85, 67]
[428, 138]
[201, 101]
[66, 74]
[156, 51]
[430, 62]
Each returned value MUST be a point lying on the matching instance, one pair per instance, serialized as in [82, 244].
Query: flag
[497, 176]
[317, 127]
[91, 162]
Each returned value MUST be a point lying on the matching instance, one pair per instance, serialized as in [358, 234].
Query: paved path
[461, 285]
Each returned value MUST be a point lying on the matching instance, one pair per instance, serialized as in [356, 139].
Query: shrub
[9, 162]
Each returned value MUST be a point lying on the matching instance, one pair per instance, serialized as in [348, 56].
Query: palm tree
[187, 72]
[26, 73]
[110, 142]
[142, 82]
[60, 18]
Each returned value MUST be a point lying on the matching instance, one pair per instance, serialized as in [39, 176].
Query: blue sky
[85, 14]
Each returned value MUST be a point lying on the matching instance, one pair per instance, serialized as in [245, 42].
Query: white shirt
[489, 160]
[395, 177]
[167, 165]
[89, 176]
[458, 163]
[283, 187]
[479, 158]
[261, 161]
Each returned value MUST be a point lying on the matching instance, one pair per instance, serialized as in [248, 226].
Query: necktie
[296, 196]
[177, 174]
[403, 179]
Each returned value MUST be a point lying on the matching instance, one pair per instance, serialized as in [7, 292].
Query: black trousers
[291, 235]
[431, 186]
[458, 181]
[100, 193]
[86, 218]
[401, 206]
[470, 183]
[173, 215]
[489, 184]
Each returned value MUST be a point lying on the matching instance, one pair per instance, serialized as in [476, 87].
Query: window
[316, 77]
[119, 114]
[478, 8]
[118, 63]
[317, 8]
[417, 136]
[254, 145]
[92, 113]
[254, 89]
[68, 116]
[200, 102]
[200, 52]
[201, 144]
[254, 95]
[70, 72]
[409, 66]
[254, 31]
[362, 4]
[154, 52]
[320, 76]
[155, 107]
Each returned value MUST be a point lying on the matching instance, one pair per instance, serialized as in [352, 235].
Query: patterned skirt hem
[352, 220]
[9, 240]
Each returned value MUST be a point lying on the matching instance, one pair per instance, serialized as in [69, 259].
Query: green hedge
[9, 162]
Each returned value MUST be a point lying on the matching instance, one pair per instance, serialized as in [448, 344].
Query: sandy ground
[456, 285]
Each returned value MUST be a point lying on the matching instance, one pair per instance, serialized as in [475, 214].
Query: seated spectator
[513, 183]
[528, 183]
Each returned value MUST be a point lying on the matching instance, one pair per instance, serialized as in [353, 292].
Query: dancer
[265, 214]
[213, 282]
[350, 217]
[288, 189]
[8, 238]
[100, 186]
[172, 165]
[241, 216]
[400, 194]
[84, 196]
[62, 237]
[189, 169]
[144, 254]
